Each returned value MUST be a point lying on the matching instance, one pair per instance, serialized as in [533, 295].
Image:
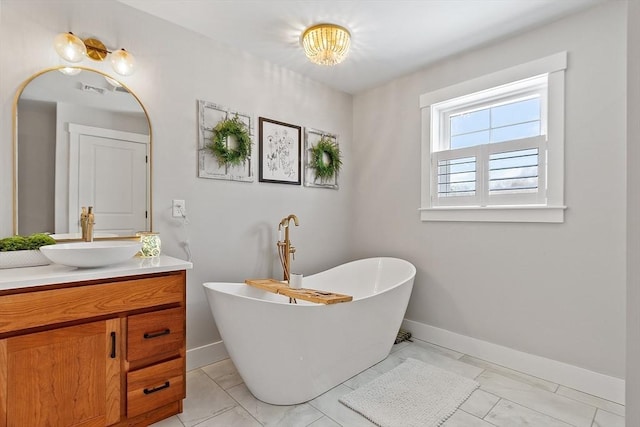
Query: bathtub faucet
[285, 249]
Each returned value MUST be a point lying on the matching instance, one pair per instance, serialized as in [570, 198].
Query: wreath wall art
[225, 154]
[226, 150]
[225, 143]
[323, 159]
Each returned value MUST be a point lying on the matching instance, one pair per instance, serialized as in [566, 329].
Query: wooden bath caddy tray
[281, 288]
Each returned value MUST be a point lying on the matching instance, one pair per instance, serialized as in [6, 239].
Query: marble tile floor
[217, 397]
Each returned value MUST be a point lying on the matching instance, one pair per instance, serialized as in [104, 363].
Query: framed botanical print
[280, 152]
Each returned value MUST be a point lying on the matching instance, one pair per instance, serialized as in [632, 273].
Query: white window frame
[528, 88]
[549, 205]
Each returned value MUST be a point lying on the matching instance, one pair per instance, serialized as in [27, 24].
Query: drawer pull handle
[153, 390]
[113, 345]
[149, 335]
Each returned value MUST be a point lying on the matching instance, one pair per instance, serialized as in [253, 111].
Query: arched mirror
[80, 140]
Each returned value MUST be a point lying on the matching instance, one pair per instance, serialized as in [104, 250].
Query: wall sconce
[73, 49]
[326, 44]
[70, 71]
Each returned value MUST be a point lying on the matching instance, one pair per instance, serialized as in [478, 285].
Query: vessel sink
[91, 254]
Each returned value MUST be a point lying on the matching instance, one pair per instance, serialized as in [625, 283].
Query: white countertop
[13, 278]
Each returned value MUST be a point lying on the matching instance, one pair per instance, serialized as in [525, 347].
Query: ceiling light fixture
[326, 44]
[73, 49]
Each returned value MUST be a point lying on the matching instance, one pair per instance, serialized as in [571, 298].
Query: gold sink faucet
[285, 248]
[87, 220]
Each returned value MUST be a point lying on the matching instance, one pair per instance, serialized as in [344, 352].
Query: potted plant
[24, 251]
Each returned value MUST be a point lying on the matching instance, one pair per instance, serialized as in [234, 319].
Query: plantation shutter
[504, 173]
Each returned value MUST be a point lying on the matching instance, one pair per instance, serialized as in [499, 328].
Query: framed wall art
[224, 143]
[322, 159]
[280, 152]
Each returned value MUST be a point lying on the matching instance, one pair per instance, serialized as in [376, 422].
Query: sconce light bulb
[70, 71]
[123, 62]
[70, 47]
[112, 82]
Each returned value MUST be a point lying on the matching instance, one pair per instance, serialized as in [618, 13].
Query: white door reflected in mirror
[108, 170]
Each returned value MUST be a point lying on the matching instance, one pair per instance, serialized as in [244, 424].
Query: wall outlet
[179, 209]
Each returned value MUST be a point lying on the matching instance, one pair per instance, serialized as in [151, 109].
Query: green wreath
[325, 170]
[218, 147]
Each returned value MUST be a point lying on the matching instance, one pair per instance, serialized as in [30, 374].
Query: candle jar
[150, 244]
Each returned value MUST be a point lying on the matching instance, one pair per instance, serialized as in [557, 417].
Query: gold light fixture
[96, 50]
[123, 62]
[70, 47]
[73, 49]
[326, 44]
[70, 71]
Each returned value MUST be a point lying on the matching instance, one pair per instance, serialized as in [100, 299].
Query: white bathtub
[291, 353]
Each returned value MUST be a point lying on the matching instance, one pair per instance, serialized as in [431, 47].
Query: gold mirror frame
[16, 99]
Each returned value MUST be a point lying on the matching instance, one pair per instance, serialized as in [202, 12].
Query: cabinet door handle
[149, 335]
[113, 345]
[153, 390]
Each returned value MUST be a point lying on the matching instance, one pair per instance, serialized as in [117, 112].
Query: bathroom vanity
[92, 347]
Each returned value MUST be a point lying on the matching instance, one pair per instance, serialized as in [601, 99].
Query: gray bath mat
[413, 394]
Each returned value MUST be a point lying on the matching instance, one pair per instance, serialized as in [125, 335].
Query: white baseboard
[594, 383]
[206, 355]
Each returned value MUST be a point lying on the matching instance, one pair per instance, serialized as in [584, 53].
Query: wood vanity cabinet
[98, 353]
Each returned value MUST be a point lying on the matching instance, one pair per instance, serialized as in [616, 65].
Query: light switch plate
[179, 209]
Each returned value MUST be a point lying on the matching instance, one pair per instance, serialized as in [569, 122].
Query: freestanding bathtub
[291, 353]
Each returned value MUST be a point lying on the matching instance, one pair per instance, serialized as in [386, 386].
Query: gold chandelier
[326, 44]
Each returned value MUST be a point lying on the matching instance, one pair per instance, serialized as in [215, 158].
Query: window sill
[550, 214]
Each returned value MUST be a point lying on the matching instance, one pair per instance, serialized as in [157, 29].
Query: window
[493, 147]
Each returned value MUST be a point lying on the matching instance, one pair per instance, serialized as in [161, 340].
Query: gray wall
[633, 216]
[232, 225]
[552, 290]
[37, 154]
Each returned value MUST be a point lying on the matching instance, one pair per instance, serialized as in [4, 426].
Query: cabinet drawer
[155, 386]
[155, 333]
[39, 308]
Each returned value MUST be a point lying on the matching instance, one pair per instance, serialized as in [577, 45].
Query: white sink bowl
[91, 254]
